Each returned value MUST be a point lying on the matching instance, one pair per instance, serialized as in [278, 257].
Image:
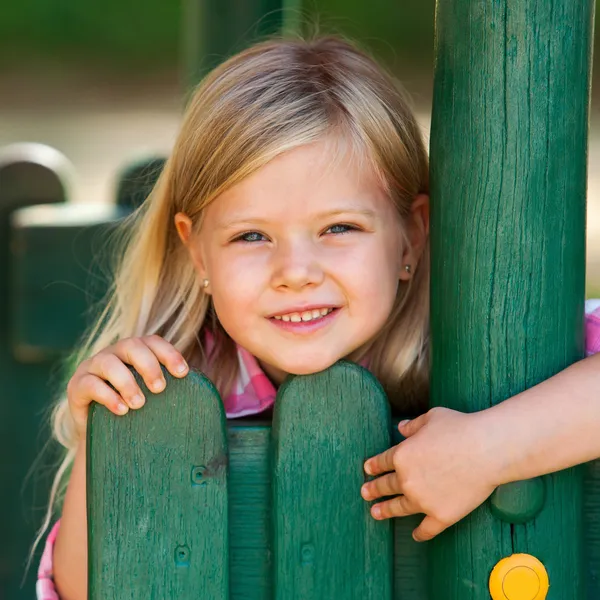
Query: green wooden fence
[196, 508]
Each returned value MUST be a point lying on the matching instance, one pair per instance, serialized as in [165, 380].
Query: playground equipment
[53, 271]
[200, 508]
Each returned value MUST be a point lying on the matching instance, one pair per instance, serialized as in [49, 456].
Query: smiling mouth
[308, 315]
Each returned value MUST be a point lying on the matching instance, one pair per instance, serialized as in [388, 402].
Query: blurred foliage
[114, 33]
[146, 34]
[398, 31]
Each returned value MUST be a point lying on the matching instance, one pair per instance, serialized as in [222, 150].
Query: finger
[386, 485]
[409, 427]
[167, 354]
[110, 367]
[400, 506]
[90, 388]
[135, 352]
[428, 529]
[382, 463]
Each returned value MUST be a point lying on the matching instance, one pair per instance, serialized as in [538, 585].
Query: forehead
[310, 178]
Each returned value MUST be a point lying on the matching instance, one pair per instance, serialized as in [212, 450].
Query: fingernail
[364, 491]
[403, 423]
[376, 512]
[158, 385]
[137, 400]
[122, 408]
[368, 468]
[181, 368]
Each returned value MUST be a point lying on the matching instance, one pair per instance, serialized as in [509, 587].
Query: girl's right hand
[90, 382]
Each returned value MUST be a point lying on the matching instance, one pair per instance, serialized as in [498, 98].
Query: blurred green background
[103, 82]
[131, 34]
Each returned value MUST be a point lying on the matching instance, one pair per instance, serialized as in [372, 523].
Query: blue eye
[340, 228]
[250, 236]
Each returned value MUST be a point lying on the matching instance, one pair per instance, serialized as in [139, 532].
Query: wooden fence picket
[158, 497]
[326, 544]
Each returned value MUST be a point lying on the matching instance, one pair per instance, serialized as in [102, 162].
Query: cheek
[379, 281]
[375, 270]
[236, 282]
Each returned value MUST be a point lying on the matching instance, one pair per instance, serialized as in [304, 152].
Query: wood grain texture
[250, 513]
[326, 544]
[508, 169]
[410, 557]
[157, 497]
[591, 522]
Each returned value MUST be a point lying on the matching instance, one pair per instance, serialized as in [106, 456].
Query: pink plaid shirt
[253, 393]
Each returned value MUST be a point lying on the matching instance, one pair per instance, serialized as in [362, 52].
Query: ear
[417, 233]
[184, 227]
[183, 224]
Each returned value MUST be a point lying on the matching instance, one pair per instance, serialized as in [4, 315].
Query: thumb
[428, 529]
[409, 427]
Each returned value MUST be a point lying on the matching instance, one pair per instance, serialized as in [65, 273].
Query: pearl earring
[407, 268]
[205, 283]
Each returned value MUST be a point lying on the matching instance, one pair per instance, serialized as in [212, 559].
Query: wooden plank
[591, 527]
[326, 544]
[157, 497]
[508, 173]
[410, 557]
[250, 510]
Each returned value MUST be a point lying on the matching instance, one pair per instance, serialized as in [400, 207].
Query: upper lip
[300, 309]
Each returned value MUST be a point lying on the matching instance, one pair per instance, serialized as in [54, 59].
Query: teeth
[307, 315]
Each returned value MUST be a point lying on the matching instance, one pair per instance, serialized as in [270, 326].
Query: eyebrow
[236, 222]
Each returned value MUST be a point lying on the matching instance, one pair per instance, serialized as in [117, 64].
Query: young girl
[288, 230]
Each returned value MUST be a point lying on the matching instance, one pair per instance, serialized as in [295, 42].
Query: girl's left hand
[448, 465]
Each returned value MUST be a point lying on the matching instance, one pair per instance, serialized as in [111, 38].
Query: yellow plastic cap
[519, 577]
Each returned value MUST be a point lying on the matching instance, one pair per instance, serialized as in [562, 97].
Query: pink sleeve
[592, 327]
[45, 589]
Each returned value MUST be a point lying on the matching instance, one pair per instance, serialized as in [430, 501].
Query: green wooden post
[508, 166]
[216, 29]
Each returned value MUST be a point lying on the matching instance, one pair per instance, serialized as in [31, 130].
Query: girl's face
[304, 259]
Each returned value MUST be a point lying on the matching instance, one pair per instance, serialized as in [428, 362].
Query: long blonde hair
[274, 96]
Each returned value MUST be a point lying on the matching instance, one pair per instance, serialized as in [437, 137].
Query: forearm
[70, 550]
[549, 427]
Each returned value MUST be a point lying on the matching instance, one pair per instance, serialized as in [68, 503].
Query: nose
[296, 265]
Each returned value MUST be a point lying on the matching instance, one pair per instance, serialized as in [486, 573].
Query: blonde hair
[274, 96]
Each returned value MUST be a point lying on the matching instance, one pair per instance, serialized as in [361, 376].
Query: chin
[308, 367]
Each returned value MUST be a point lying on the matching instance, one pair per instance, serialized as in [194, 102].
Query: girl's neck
[276, 376]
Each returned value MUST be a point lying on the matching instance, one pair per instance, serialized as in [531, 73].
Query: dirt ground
[101, 124]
